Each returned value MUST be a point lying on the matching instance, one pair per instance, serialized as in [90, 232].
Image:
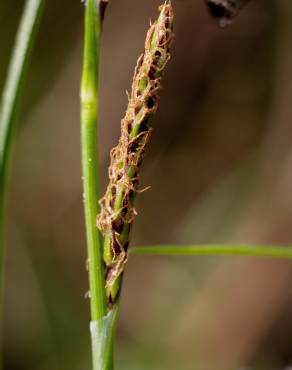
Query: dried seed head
[117, 205]
[225, 10]
[102, 6]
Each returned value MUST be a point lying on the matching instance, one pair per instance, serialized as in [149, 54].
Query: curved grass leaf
[11, 98]
[277, 252]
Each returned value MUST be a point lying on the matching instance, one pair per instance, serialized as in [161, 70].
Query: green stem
[216, 250]
[89, 113]
[102, 323]
[10, 102]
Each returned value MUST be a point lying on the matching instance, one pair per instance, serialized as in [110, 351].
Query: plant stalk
[89, 157]
[102, 323]
[11, 97]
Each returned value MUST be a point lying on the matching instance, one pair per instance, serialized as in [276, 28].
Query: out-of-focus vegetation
[220, 169]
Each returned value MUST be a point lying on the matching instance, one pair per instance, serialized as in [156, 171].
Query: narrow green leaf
[277, 252]
[10, 101]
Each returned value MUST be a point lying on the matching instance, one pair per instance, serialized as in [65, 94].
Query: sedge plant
[115, 217]
[108, 223]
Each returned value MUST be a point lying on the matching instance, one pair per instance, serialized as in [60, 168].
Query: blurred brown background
[220, 167]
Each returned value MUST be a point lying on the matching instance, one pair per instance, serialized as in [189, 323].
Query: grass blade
[277, 252]
[10, 101]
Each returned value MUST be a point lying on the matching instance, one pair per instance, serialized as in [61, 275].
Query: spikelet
[117, 205]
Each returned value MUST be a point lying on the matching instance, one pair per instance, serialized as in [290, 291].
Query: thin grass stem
[90, 173]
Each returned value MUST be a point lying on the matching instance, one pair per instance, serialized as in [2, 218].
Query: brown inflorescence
[225, 10]
[117, 205]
